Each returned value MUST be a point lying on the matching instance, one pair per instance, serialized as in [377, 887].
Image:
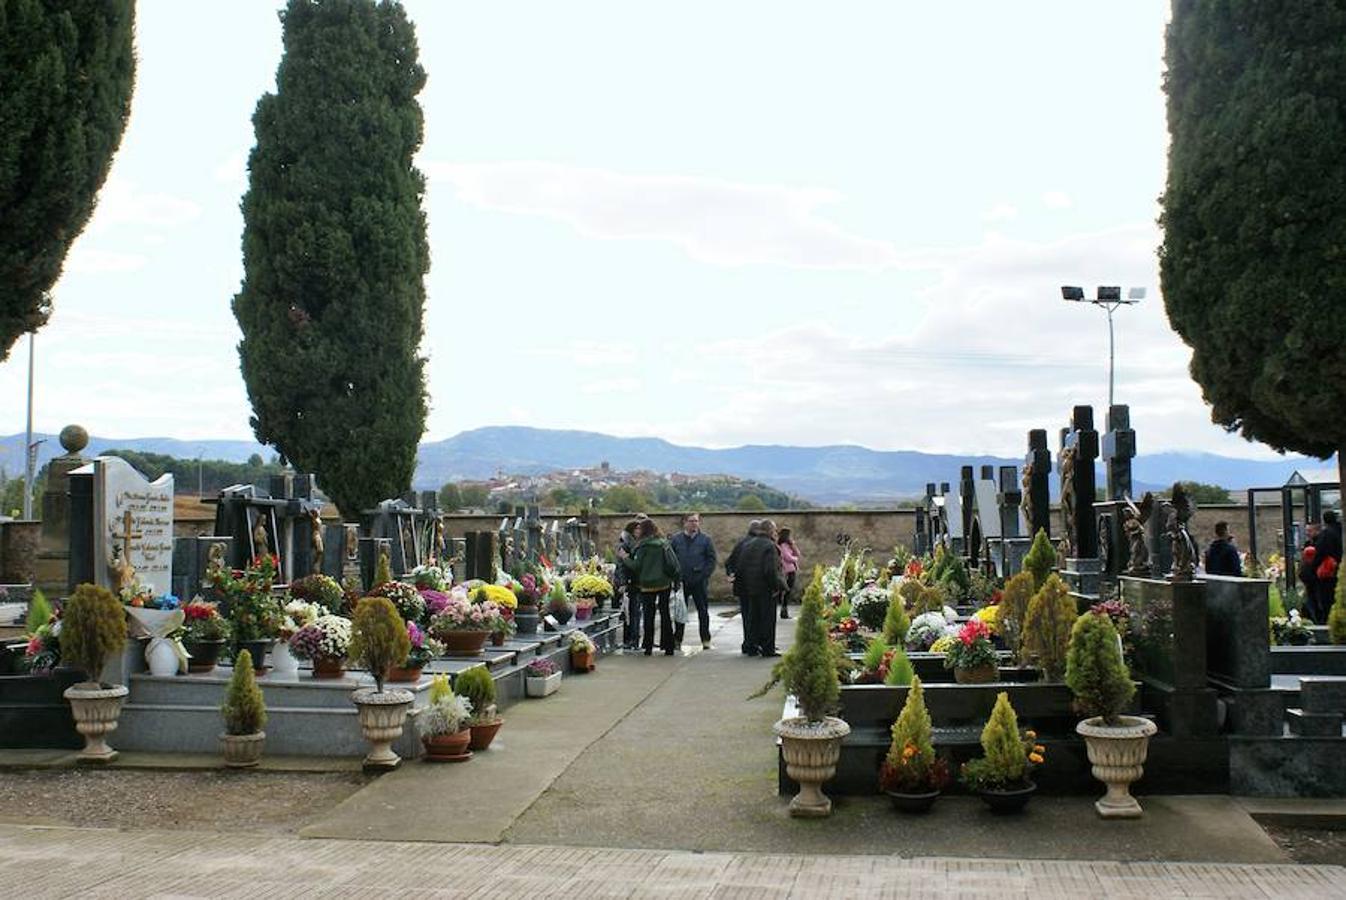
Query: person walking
[653, 567]
[696, 559]
[789, 558]
[1308, 569]
[1326, 562]
[626, 543]
[731, 569]
[1222, 557]
[759, 569]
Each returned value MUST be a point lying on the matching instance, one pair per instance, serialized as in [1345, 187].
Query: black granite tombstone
[1037, 471]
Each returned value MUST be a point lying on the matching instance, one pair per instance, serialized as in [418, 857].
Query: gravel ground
[253, 802]
[1314, 846]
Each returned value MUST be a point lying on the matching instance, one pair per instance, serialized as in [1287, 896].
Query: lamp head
[1109, 294]
[1075, 294]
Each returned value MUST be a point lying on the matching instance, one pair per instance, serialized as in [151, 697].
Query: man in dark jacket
[1222, 557]
[696, 558]
[758, 571]
[731, 569]
[1326, 563]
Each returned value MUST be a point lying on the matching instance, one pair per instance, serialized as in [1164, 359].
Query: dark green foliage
[244, 708]
[39, 613]
[334, 252]
[955, 580]
[750, 503]
[209, 475]
[874, 652]
[477, 685]
[1040, 559]
[93, 627]
[1095, 671]
[66, 73]
[1253, 264]
[1013, 610]
[378, 637]
[1004, 762]
[808, 668]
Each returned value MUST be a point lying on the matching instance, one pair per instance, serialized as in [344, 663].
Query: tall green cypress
[66, 74]
[1253, 263]
[334, 252]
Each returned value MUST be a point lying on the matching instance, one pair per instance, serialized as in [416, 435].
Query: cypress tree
[334, 252]
[1253, 266]
[67, 71]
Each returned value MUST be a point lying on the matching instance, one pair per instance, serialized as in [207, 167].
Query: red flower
[972, 631]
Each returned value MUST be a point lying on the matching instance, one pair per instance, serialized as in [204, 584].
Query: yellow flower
[1038, 748]
[1035, 758]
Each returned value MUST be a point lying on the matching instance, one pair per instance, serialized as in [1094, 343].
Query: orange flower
[1035, 758]
[908, 751]
[1038, 748]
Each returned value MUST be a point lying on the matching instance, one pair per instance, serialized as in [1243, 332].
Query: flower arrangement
[142, 599]
[446, 713]
[297, 614]
[435, 601]
[328, 637]
[429, 577]
[1009, 755]
[502, 597]
[408, 602]
[943, 644]
[323, 590]
[925, 629]
[541, 668]
[246, 594]
[972, 647]
[869, 604]
[460, 615]
[43, 652]
[1290, 629]
[1119, 613]
[590, 587]
[530, 590]
[424, 648]
[990, 617]
[582, 643]
[203, 623]
[911, 766]
[558, 604]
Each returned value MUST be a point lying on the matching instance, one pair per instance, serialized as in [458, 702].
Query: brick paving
[44, 863]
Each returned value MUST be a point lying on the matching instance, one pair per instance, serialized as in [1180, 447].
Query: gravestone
[117, 515]
[1119, 448]
[341, 551]
[192, 558]
[1014, 543]
[480, 555]
[1168, 629]
[274, 519]
[53, 553]
[967, 490]
[371, 548]
[1036, 502]
[1075, 464]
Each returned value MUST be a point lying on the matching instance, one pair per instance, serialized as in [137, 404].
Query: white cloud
[122, 202]
[1001, 212]
[714, 221]
[1057, 200]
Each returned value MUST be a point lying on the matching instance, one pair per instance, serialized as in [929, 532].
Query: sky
[716, 223]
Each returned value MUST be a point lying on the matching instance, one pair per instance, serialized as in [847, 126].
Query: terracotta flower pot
[582, 660]
[811, 751]
[483, 733]
[203, 655]
[403, 675]
[447, 747]
[983, 674]
[95, 710]
[464, 643]
[1117, 754]
[497, 639]
[327, 667]
[242, 751]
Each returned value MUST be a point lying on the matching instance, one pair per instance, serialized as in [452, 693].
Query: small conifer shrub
[378, 637]
[1014, 602]
[809, 668]
[896, 622]
[244, 708]
[93, 627]
[1095, 672]
[1040, 559]
[911, 766]
[1008, 756]
[1046, 635]
[478, 687]
[900, 672]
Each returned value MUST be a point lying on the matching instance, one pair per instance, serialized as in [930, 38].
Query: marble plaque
[119, 489]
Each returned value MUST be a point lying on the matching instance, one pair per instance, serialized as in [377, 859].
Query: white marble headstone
[117, 488]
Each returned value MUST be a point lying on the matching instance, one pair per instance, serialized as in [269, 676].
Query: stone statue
[315, 540]
[260, 547]
[123, 574]
[437, 539]
[1133, 526]
[1068, 497]
[215, 558]
[1180, 512]
[408, 545]
[1026, 484]
[352, 543]
[385, 549]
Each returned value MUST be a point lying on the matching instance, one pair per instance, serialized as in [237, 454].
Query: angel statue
[1134, 519]
[315, 540]
[1180, 512]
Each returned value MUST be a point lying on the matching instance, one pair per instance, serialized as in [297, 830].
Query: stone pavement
[41, 863]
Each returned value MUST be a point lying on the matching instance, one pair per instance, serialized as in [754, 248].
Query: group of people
[1318, 563]
[762, 567]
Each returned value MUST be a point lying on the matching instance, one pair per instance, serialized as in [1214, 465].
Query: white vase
[284, 664]
[162, 658]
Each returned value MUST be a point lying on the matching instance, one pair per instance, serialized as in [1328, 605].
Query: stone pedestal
[1169, 633]
[18, 551]
[1083, 577]
[53, 553]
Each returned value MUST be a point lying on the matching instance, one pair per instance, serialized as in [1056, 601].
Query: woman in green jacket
[653, 567]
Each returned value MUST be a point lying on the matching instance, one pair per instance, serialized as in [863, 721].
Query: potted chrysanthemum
[463, 626]
[325, 642]
[443, 724]
[542, 678]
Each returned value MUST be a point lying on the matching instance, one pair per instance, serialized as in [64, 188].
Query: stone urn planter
[242, 751]
[382, 715]
[484, 732]
[95, 709]
[1117, 754]
[811, 751]
[464, 643]
[977, 674]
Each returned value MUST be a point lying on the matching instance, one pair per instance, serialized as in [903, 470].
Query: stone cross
[1008, 499]
[1119, 448]
[967, 491]
[128, 534]
[1079, 449]
[1036, 496]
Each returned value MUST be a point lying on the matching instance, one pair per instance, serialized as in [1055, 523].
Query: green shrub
[900, 672]
[895, 620]
[956, 581]
[1095, 672]
[1004, 762]
[873, 657]
[477, 685]
[383, 572]
[1336, 617]
[1014, 602]
[39, 613]
[809, 668]
[93, 627]
[1046, 632]
[1040, 559]
[378, 637]
[911, 765]
[1275, 605]
[244, 708]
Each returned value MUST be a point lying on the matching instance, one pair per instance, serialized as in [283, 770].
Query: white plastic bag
[677, 607]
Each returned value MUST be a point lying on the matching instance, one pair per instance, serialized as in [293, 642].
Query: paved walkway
[38, 863]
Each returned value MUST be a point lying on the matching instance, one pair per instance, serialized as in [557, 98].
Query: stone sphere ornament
[74, 439]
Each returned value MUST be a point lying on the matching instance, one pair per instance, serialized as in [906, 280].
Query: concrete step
[1311, 659]
[1323, 694]
[1302, 723]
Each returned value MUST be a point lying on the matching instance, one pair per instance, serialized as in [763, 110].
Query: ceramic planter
[382, 715]
[259, 650]
[983, 674]
[562, 616]
[464, 643]
[912, 803]
[162, 657]
[583, 613]
[404, 674]
[1008, 800]
[284, 664]
[582, 660]
[95, 710]
[203, 655]
[526, 619]
[242, 751]
[811, 751]
[1117, 753]
[327, 667]
[447, 747]
[484, 732]
[541, 686]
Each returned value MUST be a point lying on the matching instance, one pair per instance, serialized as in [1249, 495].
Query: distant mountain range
[823, 475]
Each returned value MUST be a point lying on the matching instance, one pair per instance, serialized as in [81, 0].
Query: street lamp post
[1108, 299]
[29, 448]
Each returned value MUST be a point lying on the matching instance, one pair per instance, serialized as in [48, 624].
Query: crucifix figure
[123, 573]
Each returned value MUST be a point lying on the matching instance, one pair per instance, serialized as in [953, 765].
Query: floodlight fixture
[1074, 294]
[1135, 294]
[1109, 294]
[1109, 297]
